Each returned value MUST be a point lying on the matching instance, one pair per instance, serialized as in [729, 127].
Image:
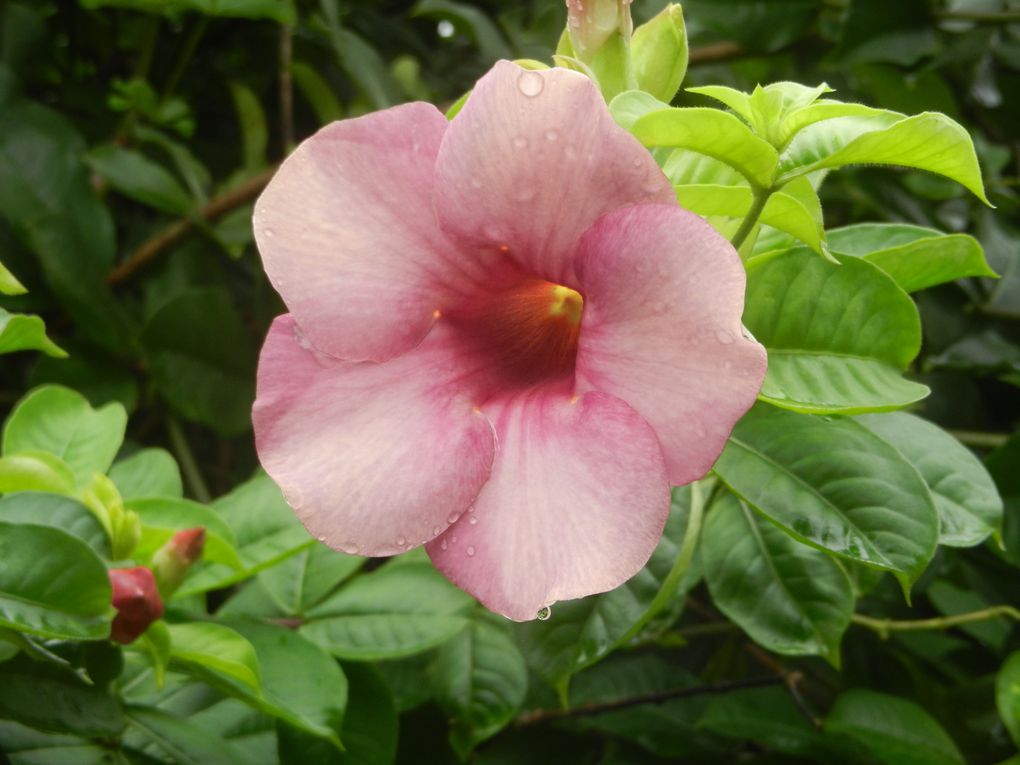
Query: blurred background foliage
[135, 135]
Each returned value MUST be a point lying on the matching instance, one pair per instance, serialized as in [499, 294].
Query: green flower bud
[659, 54]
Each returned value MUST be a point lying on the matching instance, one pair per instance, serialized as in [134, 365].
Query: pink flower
[136, 598]
[506, 340]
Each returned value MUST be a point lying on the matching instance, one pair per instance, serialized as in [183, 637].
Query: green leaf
[59, 512]
[217, 649]
[201, 359]
[790, 598]
[27, 745]
[161, 517]
[9, 284]
[826, 109]
[628, 107]
[61, 421]
[835, 485]
[915, 257]
[299, 679]
[767, 716]
[873, 30]
[369, 730]
[155, 644]
[927, 141]
[182, 740]
[965, 496]
[736, 100]
[252, 121]
[360, 60]
[713, 133]
[265, 529]
[1007, 695]
[782, 210]
[759, 25]
[49, 698]
[303, 580]
[894, 730]
[580, 633]
[395, 611]
[276, 10]
[46, 196]
[480, 680]
[139, 178]
[845, 359]
[52, 584]
[151, 472]
[317, 91]
[20, 332]
[35, 471]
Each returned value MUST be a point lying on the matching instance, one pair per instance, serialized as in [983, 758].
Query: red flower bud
[189, 544]
[136, 598]
[171, 562]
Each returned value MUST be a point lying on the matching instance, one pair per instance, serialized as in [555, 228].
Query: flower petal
[349, 238]
[531, 161]
[576, 504]
[374, 458]
[663, 296]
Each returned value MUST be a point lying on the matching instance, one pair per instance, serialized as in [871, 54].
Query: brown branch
[538, 716]
[177, 231]
[720, 51]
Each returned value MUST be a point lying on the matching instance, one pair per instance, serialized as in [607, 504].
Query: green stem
[883, 627]
[184, 57]
[758, 202]
[683, 560]
[189, 467]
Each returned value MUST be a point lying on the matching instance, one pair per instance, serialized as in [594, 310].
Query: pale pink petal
[349, 238]
[663, 296]
[374, 458]
[531, 161]
[576, 504]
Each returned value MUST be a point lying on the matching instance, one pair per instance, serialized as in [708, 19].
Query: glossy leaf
[266, 531]
[896, 731]
[149, 472]
[714, 133]
[395, 611]
[52, 584]
[180, 739]
[61, 421]
[216, 649]
[35, 471]
[915, 257]
[967, 501]
[790, 598]
[59, 512]
[862, 330]
[9, 284]
[835, 485]
[300, 582]
[928, 141]
[480, 679]
[20, 332]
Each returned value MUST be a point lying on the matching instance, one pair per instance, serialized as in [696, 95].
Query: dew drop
[453, 538]
[269, 233]
[322, 537]
[443, 545]
[401, 542]
[724, 337]
[551, 135]
[453, 517]
[530, 84]
[520, 142]
[349, 547]
[435, 531]
[543, 614]
[470, 551]
[472, 520]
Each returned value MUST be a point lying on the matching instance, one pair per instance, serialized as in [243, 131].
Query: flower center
[528, 331]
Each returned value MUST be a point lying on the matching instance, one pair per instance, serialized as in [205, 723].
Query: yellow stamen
[567, 303]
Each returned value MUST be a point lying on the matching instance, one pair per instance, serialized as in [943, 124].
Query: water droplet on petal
[269, 233]
[530, 84]
[724, 337]
[453, 517]
[472, 520]
[401, 542]
[443, 545]
[435, 531]
[551, 135]
[470, 551]
[520, 142]
[544, 613]
[322, 537]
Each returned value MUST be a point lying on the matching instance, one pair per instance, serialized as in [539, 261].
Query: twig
[791, 679]
[175, 232]
[882, 627]
[189, 467]
[539, 716]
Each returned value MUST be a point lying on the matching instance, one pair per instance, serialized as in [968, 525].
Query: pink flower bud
[136, 598]
[592, 22]
[171, 562]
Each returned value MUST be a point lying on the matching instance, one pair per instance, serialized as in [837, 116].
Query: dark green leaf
[182, 740]
[136, 176]
[60, 512]
[149, 472]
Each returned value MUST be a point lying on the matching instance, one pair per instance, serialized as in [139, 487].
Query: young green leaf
[59, 512]
[835, 485]
[915, 257]
[9, 284]
[1007, 695]
[61, 421]
[790, 598]
[216, 649]
[151, 472]
[20, 332]
[35, 471]
[863, 329]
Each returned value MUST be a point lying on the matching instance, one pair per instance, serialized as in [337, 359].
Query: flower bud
[591, 23]
[659, 53]
[171, 562]
[137, 600]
